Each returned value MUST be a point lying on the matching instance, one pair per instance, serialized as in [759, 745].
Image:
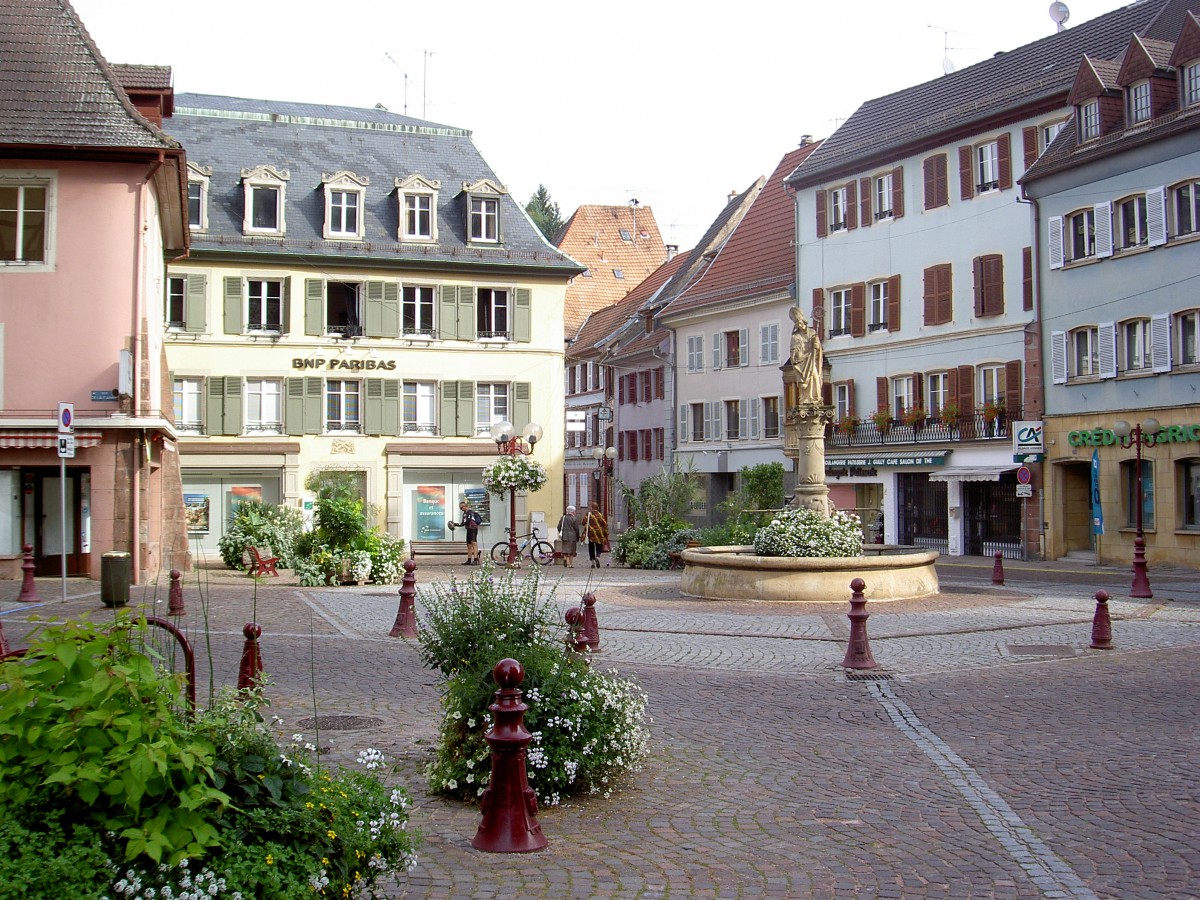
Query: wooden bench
[262, 562]
[437, 548]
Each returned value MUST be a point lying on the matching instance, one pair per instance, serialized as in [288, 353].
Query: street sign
[66, 419]
[1023, 475]
[1024, 490]
[66, 446]
[604, 414]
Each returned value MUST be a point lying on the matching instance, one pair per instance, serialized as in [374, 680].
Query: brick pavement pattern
[991, 755]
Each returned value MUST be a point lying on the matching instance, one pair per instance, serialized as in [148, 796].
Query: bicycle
[530, 545]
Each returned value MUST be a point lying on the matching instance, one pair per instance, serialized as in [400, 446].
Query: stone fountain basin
[735, 573]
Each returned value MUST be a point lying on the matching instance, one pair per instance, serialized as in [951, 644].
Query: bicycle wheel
[500, 552]
[542, 553]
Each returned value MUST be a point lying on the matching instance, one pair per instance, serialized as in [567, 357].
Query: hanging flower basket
[992, 412]
[513, 473]
[949, 415]
[914, 416]
[882, 419]
[847, 425]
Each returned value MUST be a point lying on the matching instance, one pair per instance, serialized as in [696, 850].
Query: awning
[44, 439]
[865, 460]
[971, 473]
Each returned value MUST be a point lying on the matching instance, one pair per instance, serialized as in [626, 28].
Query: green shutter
[391, 309]
[294, 410]
[391, 405]
[521, 413]
[373, 406]
[466, 313]
[522, 315]
[194, 305]
[233, 405]
[449, 408]
[373, 318]
[466, 409]
[285, 307]
[314, 411]
[448, 313]
[314, 306]
[214, 414]
[233, 306]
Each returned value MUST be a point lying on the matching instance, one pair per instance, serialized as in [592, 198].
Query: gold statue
[807, 359]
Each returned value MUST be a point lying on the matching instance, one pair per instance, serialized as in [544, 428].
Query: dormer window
[198, 179]
[263, 188]
[418, 208]
[1191, 84]
[345, 194]
[1089, 120]
[483, 211]
[1138, 98]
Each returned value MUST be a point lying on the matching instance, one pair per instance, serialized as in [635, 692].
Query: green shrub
[807, 533]
[261, 524]
[647, 546]
[588, 726]
[733, 533]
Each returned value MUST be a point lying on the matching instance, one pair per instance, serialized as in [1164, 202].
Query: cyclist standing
[471, 521]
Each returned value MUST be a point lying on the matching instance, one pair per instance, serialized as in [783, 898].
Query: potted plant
[993, 410]
[949, 415]
[914, 416]
[882, 418]
[847, 424]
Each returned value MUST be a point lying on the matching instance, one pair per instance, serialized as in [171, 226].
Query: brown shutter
[822, 226]
[1027, 279]
[1013, 388]
[993, 285]
[918, 391]
[858, 309]
[864, 201]
[851, 207]
[827, 393]
[1004, 152]
[952, 388]
[850, 392]
[930, 174]
[966, 178]
[818, 312]
[1029, 138]
[977, 271]
[931, 281]
[897, 192]
[893, 307]
[945, 294]
[966, 401]
[881, 393]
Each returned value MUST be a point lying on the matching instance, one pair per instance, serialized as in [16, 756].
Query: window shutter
[1104, 237]
[952, 388]
[977, 272]
[881, 393]
[684, 434]
[743, 420]
[945, 293]
[464, 412]
[233, 306]
[1160, 343]
[755, 415]
[966, 173]
[918, 389]
[897, 192]
[707, 431]
[314, 306]
[522, 408]
[1014, 388]
[937, 192]
[1029, 141]
[864, 201]
[373, 406]
[818, 306]
[1027, 278]
[1058, 357]
[233, 405]
[195, 304]
[1004, 154]
[718, 351]
[1106, 345]
[660, 383]
[744, 347]
[893, 305]
[852, 403]
[448, 313]
[966, 400]
[993, 284]
[930, 295]
[449, 408]
[214, 413]
[466, 313]
[621, 391]
[391, 405]
[294, 410]
[1156, 216]
[858, 309]
[285, 311]
[851, 206]
[1055, 241]
[373, 317]
[822, 216]
[314, 406]
[764, 345]
[522, 315]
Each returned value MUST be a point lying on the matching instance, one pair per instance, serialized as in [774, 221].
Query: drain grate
[1041, 650]
[340, 723]
[856, 675]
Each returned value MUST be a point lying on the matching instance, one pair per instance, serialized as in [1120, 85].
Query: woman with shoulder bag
[568, 536]
[595, 527]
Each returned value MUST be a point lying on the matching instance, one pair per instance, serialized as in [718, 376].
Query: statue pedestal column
[804, 443]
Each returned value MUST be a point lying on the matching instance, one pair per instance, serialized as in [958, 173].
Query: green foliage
[545, 213]
[645, 546]
[339, 522]
[733, 533]
[807, 533]
[47, 855]
[588, 726]
[665, 496]
[759, 493]
[261, 525]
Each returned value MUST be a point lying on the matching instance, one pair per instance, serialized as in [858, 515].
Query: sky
[674, 104]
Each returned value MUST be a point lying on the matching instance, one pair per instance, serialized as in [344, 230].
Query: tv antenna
[1059, 13]
[405, 74]
[947, 63]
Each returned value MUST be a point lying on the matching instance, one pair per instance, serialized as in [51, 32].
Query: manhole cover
[1040, 650]
[340, 723]
[855, 675]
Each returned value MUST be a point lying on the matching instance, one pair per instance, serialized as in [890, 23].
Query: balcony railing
[969, 427]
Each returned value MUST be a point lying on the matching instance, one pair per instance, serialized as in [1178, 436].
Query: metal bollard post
[998, 569]
[858, 652]
[575, 638]
[1101, 623]
[508, 804]
[251, 667]
[175, 595]
[406, 615]
[29, 592]
[591, 625]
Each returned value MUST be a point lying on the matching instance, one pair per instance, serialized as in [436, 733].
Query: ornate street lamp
[604, 457]
[509, 444]
[1134, 436]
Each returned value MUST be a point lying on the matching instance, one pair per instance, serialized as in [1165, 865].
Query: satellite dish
[1059, 13]
[947, 65]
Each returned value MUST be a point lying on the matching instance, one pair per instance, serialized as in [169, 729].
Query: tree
[545, 213]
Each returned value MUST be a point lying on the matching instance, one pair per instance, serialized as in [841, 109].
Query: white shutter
[764, 345]
[743, 347]
[707, 420]
[684, 433]
[1055, 239]
[743, 420]
[1106, 339]
[755, 403]
[718, 351]
[1104, 236]
[1156, 216]
[1160, 343]
[1058, 357]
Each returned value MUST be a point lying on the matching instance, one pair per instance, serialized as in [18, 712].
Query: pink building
[93, 201]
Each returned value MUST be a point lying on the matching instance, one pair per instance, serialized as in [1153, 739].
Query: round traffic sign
[1023, 475]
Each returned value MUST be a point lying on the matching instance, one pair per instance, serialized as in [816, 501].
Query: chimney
[672, 249]
[805, 140]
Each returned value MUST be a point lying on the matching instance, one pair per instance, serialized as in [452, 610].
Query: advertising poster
[239, 494]
[195, 510]
[430, 506]
[481, 502]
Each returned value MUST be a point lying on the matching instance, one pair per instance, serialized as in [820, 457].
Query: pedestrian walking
[595, 527]
[568, 536]
[471, 521]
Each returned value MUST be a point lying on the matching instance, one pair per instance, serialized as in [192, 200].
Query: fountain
[736, 573]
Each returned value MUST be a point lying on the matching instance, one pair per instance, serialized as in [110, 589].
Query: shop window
[1187, 476]
[1129, 489]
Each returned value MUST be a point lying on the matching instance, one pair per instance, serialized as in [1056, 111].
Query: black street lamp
[604, 457]
[509, 444]
[1135, 436]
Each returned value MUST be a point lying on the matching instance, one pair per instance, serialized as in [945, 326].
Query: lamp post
[509, 444]
[1134, 436]
[604, 457]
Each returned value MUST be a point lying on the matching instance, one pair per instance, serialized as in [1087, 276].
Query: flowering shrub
[805, 532]
[588, 726]
[261, 525]
[514, 473]
[647, 546]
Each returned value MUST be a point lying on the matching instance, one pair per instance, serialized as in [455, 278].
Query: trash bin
[116, 571]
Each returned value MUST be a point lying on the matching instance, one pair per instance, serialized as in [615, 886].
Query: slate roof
[593, 237]
[1040, 73]
[759, 258]
[56, 88]
[308, 140]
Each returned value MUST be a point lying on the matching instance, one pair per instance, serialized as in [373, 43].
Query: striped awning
[44, 439]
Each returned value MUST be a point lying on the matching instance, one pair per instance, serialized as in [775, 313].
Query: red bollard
[858, 652]
[1101, 623]
[576, 640]
[175, 595]
[251, 667]
[998, 569]
[591, 625]
[29, 592]
[406, 615]
[508, 804]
